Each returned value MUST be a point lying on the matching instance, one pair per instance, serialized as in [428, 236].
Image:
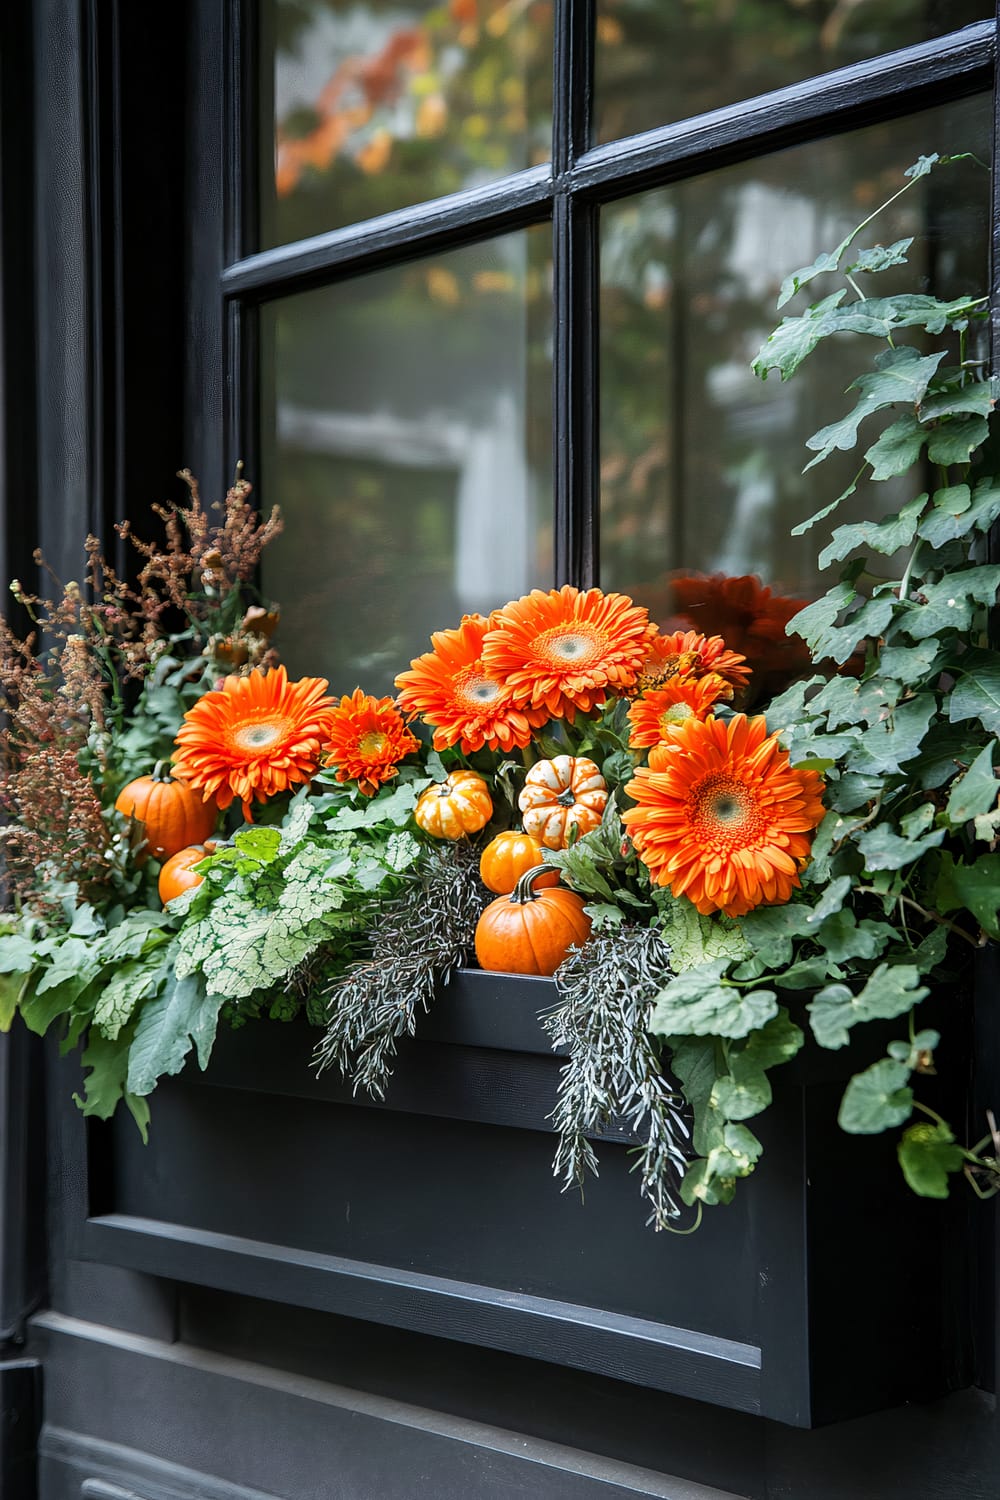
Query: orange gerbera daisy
[253, 737]
[722, 817]
[367, 739]
[451, 688]
[687, 654]
[656, 713]
[564, 650]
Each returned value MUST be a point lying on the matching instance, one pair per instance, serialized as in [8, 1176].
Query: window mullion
[574, 270]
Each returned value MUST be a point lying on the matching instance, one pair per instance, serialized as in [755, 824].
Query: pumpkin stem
[523, 892]
[566, 798]
[159, 774]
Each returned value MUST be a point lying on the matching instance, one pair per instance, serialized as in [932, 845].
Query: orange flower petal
[722, 817]
[254, 736]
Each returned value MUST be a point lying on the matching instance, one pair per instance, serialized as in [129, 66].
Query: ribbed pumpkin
[177, 874]
[529, 931]
[560, 793]
[172, 813]
[509, 856]
[455, 807]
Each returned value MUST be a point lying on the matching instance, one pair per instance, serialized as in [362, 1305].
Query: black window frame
[568, 192]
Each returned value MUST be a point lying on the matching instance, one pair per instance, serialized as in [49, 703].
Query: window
[499, 268]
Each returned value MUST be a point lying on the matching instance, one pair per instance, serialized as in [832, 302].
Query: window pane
[408, 443]
[664, 60]
[700, 461]
[370, 105]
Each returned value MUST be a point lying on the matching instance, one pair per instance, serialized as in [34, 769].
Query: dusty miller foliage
[613, 1071]
[417, 939]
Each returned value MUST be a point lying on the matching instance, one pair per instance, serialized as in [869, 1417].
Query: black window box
[821, 1293]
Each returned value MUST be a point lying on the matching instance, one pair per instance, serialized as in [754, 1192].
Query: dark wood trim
[883, 88]
[652, 1354]
[407, 233]
[886, 87]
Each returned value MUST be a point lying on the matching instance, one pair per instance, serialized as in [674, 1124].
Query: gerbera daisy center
[573, 646]
[372, 743]
[725, 810]
[259, 735]
[476, 689]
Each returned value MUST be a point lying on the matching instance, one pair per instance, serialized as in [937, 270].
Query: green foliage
[928, 1155]
[877, 1099]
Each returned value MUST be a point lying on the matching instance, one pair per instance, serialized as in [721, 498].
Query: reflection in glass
[370, 105]
[658, 61]
[700, 461]
[407, 441]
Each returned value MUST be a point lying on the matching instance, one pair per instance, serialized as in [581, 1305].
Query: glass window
[700, 461]
[407, 438]
[381, 104]
[664, 60]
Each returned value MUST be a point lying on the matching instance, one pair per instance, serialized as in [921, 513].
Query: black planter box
[821, 1293]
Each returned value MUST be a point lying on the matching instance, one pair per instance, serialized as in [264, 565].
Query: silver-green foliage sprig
[417, 938]
[613, 1070]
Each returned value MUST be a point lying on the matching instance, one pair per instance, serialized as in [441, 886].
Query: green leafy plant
[904, 877]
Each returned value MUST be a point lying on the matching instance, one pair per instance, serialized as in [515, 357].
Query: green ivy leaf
[892, 990]
[951, 603]
[902, 376]
[883, 849]
[976, 399]
[928, 1154]
[795, 339]
[940, 756]
[910, 663]
[844, 938]
[974, 888]
[952, 519]
[698, 1003]
[877, 1099]
[881, 536]
[910, 1052]
[881, 257]
[886, 746]
[793, 283]
[838, 643]
[976, 694]
[898, 449]
[975, 792]
[956, 440]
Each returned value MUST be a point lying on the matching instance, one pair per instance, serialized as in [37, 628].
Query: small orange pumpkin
[172, 813]
[530, 932]
[559, 794]
[178, 875]
[507, 857]
[455, 807]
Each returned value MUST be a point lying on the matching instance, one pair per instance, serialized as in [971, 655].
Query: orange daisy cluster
[687, 654]
[564, 650]
[254, 737]
[722, 817]
[367, 740]
[658, 712]
[452, 689]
